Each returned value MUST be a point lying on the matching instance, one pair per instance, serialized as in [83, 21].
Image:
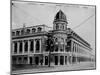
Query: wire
[83, 22]
[25, 12]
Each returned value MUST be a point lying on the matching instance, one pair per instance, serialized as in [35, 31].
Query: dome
[60, 16]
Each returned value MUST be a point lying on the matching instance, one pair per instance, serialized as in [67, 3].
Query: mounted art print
[52, 37]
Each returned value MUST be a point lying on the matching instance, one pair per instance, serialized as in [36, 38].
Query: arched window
[22, 31]
[37, 45]
[26, 46]
[62, 26]
[20, 47]
[31, 45]
[28, 31]
[13, 33]
[33, 30]
[15, 47]
[39, 29]
[56, 48]
[17, 32]
[57, 26]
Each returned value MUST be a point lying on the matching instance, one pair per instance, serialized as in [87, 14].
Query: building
[29, 45]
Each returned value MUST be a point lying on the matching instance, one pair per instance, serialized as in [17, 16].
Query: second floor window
[20, 47]
[32, 46]
[37, 45]
[15, 47]
[26, 46]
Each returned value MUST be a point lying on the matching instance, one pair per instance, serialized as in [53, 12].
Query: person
[41, 61]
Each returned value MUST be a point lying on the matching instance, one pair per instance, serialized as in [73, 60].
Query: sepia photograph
[52, 37]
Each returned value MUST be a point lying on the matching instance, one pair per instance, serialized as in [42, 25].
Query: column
[40, 45]
[72, 45]
[28, 46]
[43, 60]
[34, 45]
[67, 60]
[23, 46]
[12, 51]
[58, 60]
[28, 61]
[17, 46]
[64, 45]
[17, 60]
[64, 59]
[76, 53]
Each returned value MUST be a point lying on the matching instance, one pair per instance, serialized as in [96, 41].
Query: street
[79, 66]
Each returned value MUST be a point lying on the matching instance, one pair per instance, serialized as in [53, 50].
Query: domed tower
[60, 21]
[59, 31]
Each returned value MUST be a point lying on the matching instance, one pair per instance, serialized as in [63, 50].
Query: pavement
[78, 66]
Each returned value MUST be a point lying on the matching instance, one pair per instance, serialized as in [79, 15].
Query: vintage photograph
[52, 37]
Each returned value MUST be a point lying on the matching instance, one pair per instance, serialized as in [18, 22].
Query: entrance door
[46, 60]
[65, 59]
[61, 60]
[37, 60]
[56, 60]
[30, 60]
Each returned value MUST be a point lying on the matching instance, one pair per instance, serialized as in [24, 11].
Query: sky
[80, 18]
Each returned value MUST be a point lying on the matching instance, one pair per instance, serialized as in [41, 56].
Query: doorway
[37, 60]
[31, 60]
[56, 60]
[46, 60]
[61, 60]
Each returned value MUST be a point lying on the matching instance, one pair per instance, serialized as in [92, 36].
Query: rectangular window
[32, 46]
[26, 46]
[15, 47]
[20, 47]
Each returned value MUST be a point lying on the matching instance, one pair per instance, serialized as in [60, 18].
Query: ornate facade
[29, 45]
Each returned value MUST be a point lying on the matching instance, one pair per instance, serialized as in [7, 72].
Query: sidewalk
[83, 65]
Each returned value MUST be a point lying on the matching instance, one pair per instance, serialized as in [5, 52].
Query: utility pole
[50, 45]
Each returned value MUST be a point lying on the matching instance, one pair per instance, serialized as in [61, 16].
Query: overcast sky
[80, 18]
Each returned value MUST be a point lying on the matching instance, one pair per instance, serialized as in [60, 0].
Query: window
[25, 60]
[31, 45]
[61, 47]
[15, 47]
[33, 30]
[20, 47]
[26, 46]
[17, 32]
[57, 26]
[14, 60]
[37, 45]
[56, 47]
[20, 60]
[61, 60]
[22, 31]
[28, 31]
[13, 33]
[62, 26]
[68, 46]
[65, 59]
[39, 29]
